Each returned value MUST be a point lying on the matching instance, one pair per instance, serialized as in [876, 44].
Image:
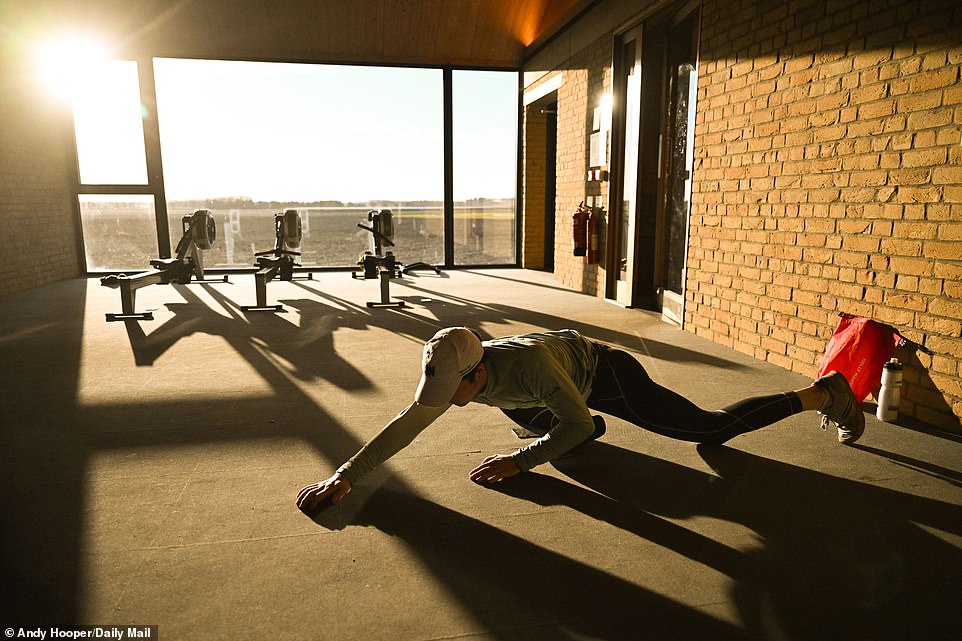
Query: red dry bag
[858, 349]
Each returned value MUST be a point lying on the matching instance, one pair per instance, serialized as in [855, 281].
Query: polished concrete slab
[149, 472]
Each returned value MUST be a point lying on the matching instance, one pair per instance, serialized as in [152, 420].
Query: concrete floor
[149, 473]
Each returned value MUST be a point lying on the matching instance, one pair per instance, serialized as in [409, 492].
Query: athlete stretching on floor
[546, 382]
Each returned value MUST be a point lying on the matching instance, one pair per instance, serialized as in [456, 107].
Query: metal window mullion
[519, 160]
[155, 169]
[70, 132]
[448, 168]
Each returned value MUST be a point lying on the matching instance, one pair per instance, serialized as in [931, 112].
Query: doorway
[550, 181]
[655, 85]
[628, 69]
[678, 152]
[540, 159]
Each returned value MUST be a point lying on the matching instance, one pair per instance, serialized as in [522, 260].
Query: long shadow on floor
[319, 319]
[42, 459]
[471, 313]
[517, 590]
[834, 558]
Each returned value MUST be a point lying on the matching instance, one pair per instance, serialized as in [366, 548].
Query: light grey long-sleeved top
[551, 369]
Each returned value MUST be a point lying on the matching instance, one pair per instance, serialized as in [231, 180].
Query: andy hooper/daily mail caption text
[116, 632]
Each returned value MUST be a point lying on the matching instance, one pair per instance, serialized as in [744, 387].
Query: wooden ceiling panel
[427, 22]
[484, 33]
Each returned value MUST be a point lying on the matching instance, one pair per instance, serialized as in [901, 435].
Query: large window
[248, 140]
[119, 230]
[485, 106]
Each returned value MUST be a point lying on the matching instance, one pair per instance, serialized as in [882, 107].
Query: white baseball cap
[448, 356]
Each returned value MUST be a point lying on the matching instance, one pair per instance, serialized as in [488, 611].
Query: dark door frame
[650, 193]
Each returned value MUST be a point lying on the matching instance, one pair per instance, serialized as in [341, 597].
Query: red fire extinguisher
[592, 226]
[579, 229]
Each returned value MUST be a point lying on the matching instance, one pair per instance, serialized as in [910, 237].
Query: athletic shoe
[841, 408]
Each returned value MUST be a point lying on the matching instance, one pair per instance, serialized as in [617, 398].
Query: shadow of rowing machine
[187, 267]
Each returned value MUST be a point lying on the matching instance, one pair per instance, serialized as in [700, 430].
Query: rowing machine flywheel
[291, 229]
[202, 228]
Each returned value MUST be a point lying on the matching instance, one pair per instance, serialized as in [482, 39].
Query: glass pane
[679, 178]
[248, 140]
[629, 178]
[485, 130]
[109, 126]
[119, 232]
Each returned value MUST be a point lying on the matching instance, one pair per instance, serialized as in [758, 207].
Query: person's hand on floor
[318, 496]
[495, 468]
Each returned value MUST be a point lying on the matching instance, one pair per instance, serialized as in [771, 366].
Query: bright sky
[301, 132]
[107, 118]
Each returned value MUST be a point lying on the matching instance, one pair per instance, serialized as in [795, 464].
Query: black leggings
[622, 388]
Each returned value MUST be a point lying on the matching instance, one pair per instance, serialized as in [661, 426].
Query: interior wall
[581, 55]
[586, 79]
[828, 179]
[39, 231]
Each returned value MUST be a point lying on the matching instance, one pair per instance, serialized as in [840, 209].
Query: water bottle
[891, 393]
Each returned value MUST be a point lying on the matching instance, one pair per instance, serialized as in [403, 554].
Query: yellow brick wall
[586, 78]
[534, 145]
[828, 178]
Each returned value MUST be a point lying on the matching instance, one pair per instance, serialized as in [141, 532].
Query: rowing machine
[279, 261]
[199, 233]
[375, 264]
